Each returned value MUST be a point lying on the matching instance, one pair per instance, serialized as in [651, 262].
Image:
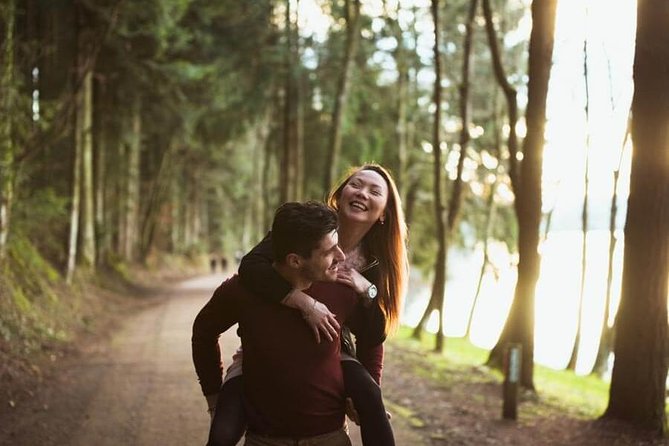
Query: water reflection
[557, 295]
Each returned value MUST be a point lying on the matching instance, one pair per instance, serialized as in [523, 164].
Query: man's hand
[317, 315]
[351, 412]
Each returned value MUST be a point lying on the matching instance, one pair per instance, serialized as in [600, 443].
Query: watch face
[371, 292]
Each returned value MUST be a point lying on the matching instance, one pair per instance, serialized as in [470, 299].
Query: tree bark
[445, 231]
[341, 97]
[584, 214]
[606, 334]
[637, 391]
[519, 326]
[88, 248]
[74, 210]
[509, 93]
[439, 283]
[131, 210]
[7, 150]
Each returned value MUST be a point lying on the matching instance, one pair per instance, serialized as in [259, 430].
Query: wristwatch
[371, 292]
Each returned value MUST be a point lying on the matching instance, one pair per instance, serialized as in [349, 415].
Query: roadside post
[512, 368]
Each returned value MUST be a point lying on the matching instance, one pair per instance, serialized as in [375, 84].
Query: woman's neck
[351, 234]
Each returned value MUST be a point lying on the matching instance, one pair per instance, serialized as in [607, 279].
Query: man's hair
[299, 227]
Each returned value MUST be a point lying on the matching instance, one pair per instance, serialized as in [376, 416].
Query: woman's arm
[259, 277]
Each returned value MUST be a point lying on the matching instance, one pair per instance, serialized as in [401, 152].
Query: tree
[637, 392]
[584, 214]
[606, 332]
[455, 201]
[7, 150]
[439, 282]
[519, 326]
[352, 15]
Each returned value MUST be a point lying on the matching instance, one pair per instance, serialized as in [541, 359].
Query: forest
[529, 140]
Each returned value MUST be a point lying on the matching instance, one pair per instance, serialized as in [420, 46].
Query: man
[293, 387]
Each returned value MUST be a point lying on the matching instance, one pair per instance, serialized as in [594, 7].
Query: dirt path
[137, 387]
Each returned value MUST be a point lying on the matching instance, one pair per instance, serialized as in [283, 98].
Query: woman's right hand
[316, 314]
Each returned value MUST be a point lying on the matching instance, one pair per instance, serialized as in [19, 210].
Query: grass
[580, 396]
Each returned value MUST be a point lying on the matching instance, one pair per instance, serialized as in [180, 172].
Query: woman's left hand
[354, 279]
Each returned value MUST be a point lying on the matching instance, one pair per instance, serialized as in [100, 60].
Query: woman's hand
[354, 279]
[319, 318]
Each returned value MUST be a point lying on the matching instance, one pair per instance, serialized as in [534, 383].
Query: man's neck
[293, 277]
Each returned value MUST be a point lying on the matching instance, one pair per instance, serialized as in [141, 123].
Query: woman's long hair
[386, 242]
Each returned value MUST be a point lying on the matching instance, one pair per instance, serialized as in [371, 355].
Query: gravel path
[135, 387]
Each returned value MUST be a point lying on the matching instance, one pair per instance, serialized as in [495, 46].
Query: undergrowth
[579, 396]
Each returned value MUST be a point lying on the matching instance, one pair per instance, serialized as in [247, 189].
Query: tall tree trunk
[490, 218]
[401, 61]
[88, 248]
[131, 209]
[262, 130]
[74, 206]
[439, 283]
[7, 151]
[158, 191]
[584, 213]
[637, 391]
[455, 201]
[103, 231]
[606, 333]
[511, 99]
[341, 97]
[288, 172]
[519, 326]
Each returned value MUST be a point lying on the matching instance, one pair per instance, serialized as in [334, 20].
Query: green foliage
[34, 316]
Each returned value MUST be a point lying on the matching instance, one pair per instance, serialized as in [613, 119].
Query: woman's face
[363, 199]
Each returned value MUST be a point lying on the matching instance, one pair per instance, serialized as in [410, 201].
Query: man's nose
[340, 254]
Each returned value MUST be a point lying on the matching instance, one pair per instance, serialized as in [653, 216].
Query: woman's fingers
[316, 334]
[322, 322]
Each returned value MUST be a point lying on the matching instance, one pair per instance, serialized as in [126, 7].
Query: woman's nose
[361, 193]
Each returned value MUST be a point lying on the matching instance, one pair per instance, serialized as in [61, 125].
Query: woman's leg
[229, 421]
[375, 427]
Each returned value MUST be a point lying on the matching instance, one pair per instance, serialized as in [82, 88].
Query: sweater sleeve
[372, 359]
[258, 276]
[217, 316]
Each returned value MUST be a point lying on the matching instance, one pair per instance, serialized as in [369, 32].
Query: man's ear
[294, 260]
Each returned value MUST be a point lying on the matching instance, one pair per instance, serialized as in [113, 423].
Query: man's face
[323, 263]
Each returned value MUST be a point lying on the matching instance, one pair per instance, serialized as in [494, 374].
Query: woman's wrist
[299, 300]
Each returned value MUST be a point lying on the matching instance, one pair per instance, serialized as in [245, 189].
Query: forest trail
[136, 387]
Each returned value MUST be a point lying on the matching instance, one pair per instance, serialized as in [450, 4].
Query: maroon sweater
[293, 386]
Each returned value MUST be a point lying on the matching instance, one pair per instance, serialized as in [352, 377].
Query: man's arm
[218, 315]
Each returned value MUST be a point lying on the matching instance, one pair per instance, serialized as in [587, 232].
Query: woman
[372, 234]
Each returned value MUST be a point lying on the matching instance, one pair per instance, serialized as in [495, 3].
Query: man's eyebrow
[333, 247]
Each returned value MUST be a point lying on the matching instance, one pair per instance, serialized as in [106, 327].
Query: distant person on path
[212, 264]
[372, 233]
[293, 387]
